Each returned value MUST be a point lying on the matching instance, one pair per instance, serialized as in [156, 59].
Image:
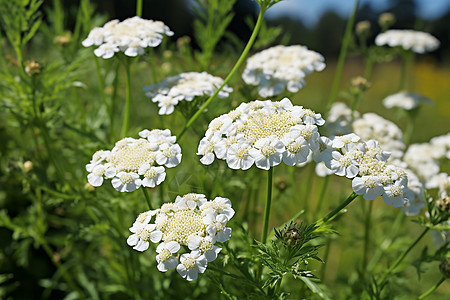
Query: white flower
[219, 206]
[281, 67]
[191, 264]
[130, 36]
[344, 140]
[339, 120]
[185, 86]
[142, 233]
[394, 194]
[191, 200]
[440, 181]
[238, 156]
[322, 170]
[368, 186]
[169, 155]
[417, 41]
[344, 165]
[134, 162]
[407, 101]
[206, 246]
[126, 182]
[374, 127]
[216, 227]
[166, 260]
[297, 150]
[324, 151]
[153, 176]
[267, 152]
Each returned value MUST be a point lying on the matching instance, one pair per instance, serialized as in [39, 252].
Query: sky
[309, 11]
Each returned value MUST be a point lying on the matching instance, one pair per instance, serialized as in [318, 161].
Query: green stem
[126, 116]
[367, 235]
[232, 72]
[147, 197]
[337, 209]
[325, 259]
[432, 289]
[406, 59]
[400, 259]
[139, 8]
[308, 190]
[67, 277]
[321, 197]
[101, 81]
[342, 55]
[267, 207]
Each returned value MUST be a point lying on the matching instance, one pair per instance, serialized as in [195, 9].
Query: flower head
[365, 163]
[263, 133]
[185, 86]
[417, 41]
[191, 221]
[280, 67]
[407, 101]
[130, 36]
[135, 162]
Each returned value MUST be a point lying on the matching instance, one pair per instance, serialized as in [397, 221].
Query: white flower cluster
[374, 127]
[369, 126]
[417, 41]
[135, 162]
[339, 120]
[281, 67]
[425, 160]
[366, 164]
[407, 101]
[185, 86]
[263, 133]
[191, 221]
[130, 36]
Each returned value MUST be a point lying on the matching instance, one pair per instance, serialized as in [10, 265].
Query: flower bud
[363, 28]
[359, 84]
[444, 267]
[63, 40]
[444, 204]
[33, 68]
[183, 42]
[281, 183]
[386, 20]
[89, 187]
[27, 166]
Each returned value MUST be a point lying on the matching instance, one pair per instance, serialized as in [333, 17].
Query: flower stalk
[400, 259]
[267, 206]
[335, 211]
[342, 55]
[126, 116]
[240, 61]
[432, 289]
